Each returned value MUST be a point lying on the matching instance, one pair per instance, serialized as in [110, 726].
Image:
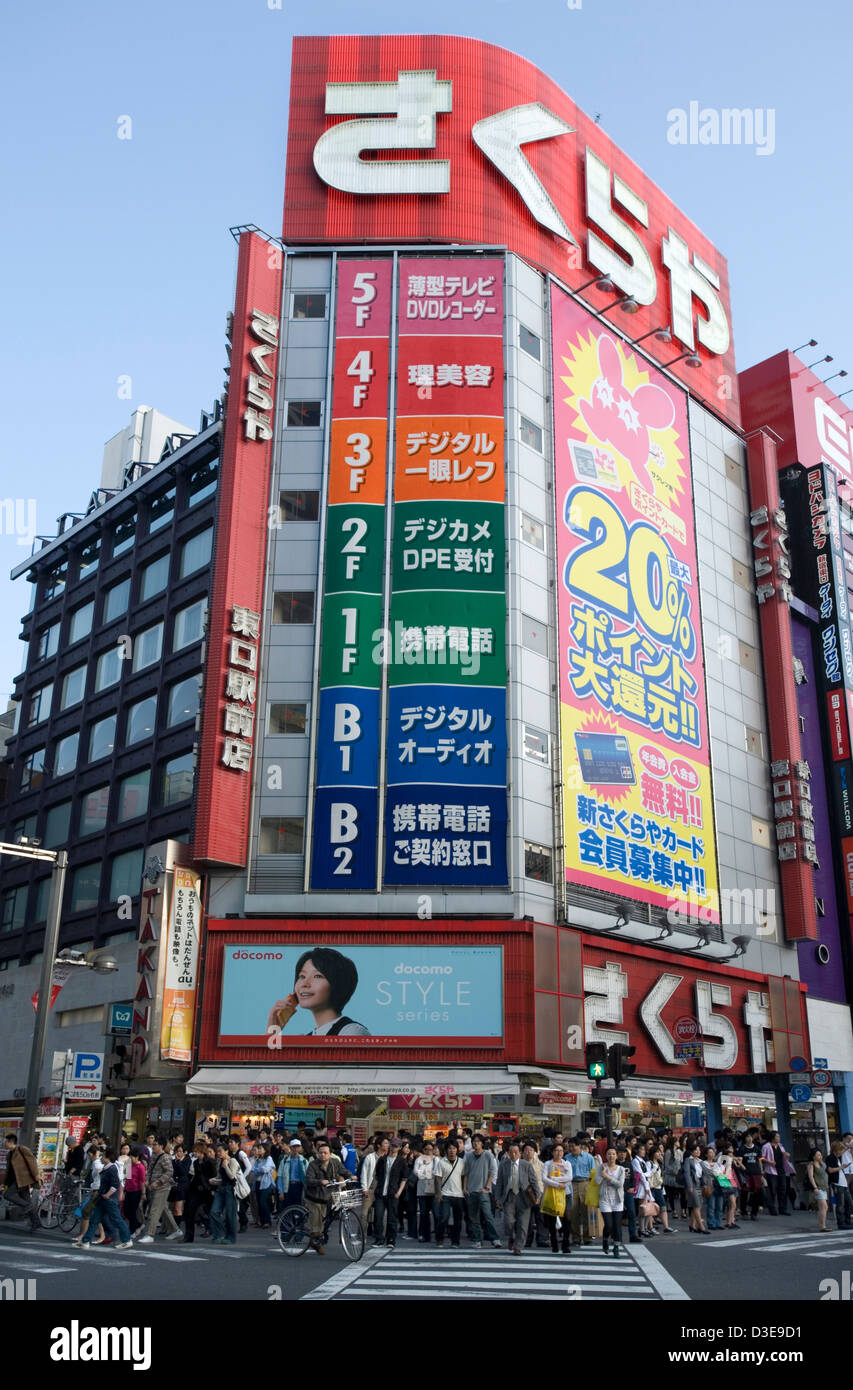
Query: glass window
[108, 669]
[154, 578]
[529, 342]
[537, 862]
[189, 625]
[42, 900]
[203, 482]
[305, 414]
[537, 745]
[24, 829]
[94, 811]
[293, 606]
[48, 641]
[116, 600]
[133, 795]
[124, 535]
[57, 825]
[90, 557]
[85, 887]
[531, 434]
[532, 531]
[309, 304]
[299, 506]
[40, 702]
[14, 909]
[178, 779]
[126, 874]
[32, 771]
[73, 687]
[81, 622]
[65, 755]
[161, 510]
[183, 701]
[282, 835]
[534, 635]
[288, 718]
[54, 583]
[140, 720]
[102, 738]
[195, 553]
[147, 646]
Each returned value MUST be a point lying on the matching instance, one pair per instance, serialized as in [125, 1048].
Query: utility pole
[51, 942]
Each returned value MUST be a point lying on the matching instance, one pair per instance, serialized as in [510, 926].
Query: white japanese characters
[260, 381]
[240, 689]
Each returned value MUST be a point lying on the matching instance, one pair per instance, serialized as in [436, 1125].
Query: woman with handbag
[557, 1181]
[658, 1190]
[693, 1183]
[730, 1201]
[592, 1199]
[612, 1201]
[646, 1206]
[712, 1193]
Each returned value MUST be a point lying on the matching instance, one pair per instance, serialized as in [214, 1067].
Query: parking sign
[87, 1075]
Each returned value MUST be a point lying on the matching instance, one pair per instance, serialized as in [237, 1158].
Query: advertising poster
[353, 994]
[639, 816]
[181, 982]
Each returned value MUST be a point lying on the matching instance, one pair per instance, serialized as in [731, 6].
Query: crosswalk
[50, 1256]
[431, 1273]
[833, 1244]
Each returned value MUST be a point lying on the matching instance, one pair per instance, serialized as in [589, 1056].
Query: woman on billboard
[324, 983]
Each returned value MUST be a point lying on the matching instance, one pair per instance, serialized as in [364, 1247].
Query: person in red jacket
[134, 1186]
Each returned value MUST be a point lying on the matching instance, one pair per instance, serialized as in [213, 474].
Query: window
[533, 532]
[537, 862]
[183, 701]
[178, 779]
[203, 482]
[40, 701]
[154, 578]
[126, 874]
[14, 909]
[85, 887]
[147, 646]
[32, 771]
[537, 745]
[24, 829]
[304, 414]
[529, 342]
[48, 642]
[42, 900]
[195, 553]
[81, 622]
[140, 720]
[161, 510]
[293, 606]
[299, 506]
[116, 600]
[65, 755]
[73, 687]
[288, 719]
[108, 669]
[124, 534]
[189, 625]
[57, 825]
[310, 304]
[94, 811]
[54, 583]
[534, 635]
[531, 434]
[133, 795]
[284, 835]
[90, 557]
[102, 738]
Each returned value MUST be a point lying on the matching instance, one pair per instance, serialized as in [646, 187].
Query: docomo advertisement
[482, 147]
[303, 995]
[639, 815]
[179, 996]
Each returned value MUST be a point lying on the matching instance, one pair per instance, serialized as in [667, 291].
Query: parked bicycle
[294, 1225]
[59, 1200]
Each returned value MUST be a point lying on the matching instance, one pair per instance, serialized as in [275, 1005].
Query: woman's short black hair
[339, 971]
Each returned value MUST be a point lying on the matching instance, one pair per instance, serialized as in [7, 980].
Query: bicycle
[58, 1202]
[294, 1224]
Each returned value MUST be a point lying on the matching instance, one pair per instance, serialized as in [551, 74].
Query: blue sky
[116, 255]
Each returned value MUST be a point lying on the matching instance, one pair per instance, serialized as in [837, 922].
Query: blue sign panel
[445, 835]
[348, 737]
[801, 1093]
[446, 734]
[343, 851]
[120, 1019]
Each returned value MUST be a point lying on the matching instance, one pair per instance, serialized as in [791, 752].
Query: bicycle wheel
[352, 1235]
[294, 1231]
[48, 1214]
[68, 1218]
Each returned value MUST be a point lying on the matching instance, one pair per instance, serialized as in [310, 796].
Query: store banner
[346, 795]
[639, 816]
[281, 997]
[456, 733]
[181, 980]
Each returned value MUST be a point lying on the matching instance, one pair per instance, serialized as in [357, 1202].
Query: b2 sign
[281, 996]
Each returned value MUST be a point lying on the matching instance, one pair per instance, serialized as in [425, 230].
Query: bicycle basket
[350, 1197]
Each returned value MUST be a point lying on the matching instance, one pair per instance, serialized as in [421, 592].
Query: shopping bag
[554, 1202]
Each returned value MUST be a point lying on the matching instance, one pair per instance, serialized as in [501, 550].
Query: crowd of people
[556, 1192]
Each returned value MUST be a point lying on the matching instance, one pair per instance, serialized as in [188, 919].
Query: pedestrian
[223, 1209]
[366, 1170]
[642, 1191]
[134, 1186]
[730, 1198]
[159, 1185]
[22, 1179]
[538, 1232]
[612, 1201]
[323, 1170]
[389, 1181]
[582, 1163]
[693, 1184]
[557, 1199]
[291, 1174]
[263, 1176]
[87, 1206]
[773, 1163]
[107, 1211]
[425, 1171]
[658, 1189]
[181, 1170]
[450, 1200]
[199, 1192]
[710, 1192]
[839, 1187]
[409, 1199]
[750, 1177]
[818, 1182]
[517, 1191]
[479, 1172]
[76, 1160]
[348, 1155]
[244, 1162]
[673, 1181]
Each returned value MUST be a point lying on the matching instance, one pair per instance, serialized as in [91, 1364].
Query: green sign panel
[449, 545]
[447, 638]
[351, 645]
[355, 549]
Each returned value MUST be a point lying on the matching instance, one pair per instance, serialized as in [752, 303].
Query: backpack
[241, 1187]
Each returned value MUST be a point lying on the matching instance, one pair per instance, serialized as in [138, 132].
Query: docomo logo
[408, 110]
[423, 969]
[257, 955]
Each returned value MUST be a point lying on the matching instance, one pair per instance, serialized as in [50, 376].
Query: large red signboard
[810, 423]
[433, 138]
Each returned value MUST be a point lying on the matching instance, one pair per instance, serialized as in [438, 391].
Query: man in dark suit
[517, 1191]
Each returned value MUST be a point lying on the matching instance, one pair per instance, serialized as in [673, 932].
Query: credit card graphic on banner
[639, 816]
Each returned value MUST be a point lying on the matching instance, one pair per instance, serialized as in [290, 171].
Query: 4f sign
[404, 116]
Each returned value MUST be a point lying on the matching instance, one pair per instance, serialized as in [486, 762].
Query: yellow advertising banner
[179, 995]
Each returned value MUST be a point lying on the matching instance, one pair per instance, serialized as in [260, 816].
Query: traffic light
[596, 1061]
[618, 1065]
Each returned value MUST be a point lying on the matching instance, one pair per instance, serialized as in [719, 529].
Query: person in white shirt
[426, 1173]
[450, 1205]
[97, 1164]
[365, 1178]
[557, 1174]
[611, 1200]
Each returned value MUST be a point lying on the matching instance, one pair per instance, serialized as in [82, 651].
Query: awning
[350, 1081]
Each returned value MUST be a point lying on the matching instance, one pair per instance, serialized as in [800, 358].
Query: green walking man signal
[602, 1061]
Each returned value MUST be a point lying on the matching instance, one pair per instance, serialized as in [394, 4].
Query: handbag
[649, 1208]
[724, 1183]
[554, 1202]
[241, 1187]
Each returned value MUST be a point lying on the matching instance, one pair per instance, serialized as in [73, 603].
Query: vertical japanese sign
[638, 807]
[179, 994]
[446, 804]
[345, 831]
